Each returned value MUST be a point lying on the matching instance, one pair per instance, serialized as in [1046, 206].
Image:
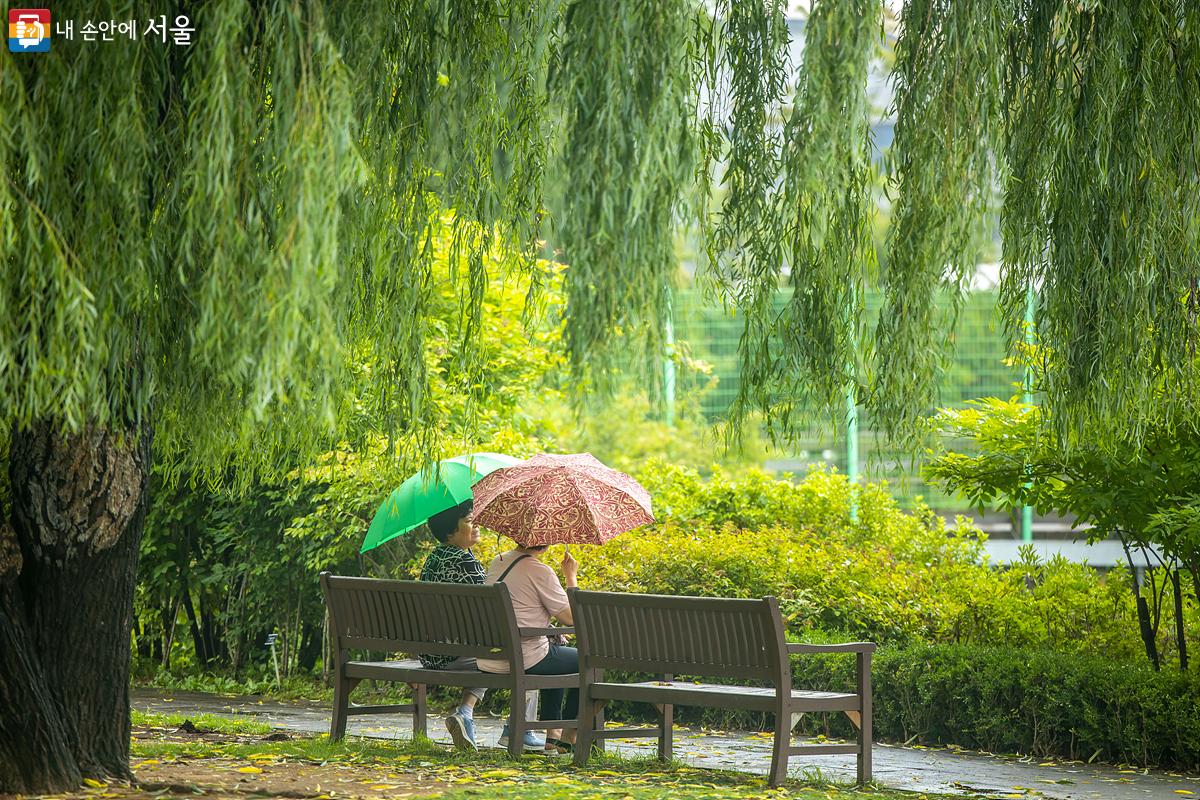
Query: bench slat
[687, 694]
[751, 698]
[410, 646]
[823, 750]
[558, 723]
[413, 671]
[676, 667]
[795, 648]
[626, 733]
[406, 708]
[529, 633]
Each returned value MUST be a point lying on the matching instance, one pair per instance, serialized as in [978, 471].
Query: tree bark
[66, 605]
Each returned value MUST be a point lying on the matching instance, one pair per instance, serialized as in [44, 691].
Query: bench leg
[865, 734]
[341, 703]
[864, 750]
[666, 732]
[591, 718]
[516, 724]
[420, 693]
[779, 750]
[599, 744]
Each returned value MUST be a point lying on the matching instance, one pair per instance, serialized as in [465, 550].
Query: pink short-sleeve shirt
[537, 595]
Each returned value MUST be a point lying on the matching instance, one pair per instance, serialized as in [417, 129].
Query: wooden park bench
[436, 619]
[706, 637]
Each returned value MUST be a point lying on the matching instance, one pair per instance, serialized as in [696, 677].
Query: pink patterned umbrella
[557, 499]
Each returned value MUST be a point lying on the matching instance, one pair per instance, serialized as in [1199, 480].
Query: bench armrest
[529, 633]
[795, 648]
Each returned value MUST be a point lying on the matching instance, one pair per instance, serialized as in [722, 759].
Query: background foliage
[1142, 494]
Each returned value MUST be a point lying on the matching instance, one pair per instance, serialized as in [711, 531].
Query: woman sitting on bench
[453, 562]
[537, 595]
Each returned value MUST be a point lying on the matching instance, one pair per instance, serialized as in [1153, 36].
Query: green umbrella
[428, 492]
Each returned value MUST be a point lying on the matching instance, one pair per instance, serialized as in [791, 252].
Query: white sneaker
[532, 740]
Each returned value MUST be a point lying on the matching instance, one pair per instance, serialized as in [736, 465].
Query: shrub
[888, 575]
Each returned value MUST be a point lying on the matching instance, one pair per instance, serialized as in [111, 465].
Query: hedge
[1036, 702]
[1039, 703]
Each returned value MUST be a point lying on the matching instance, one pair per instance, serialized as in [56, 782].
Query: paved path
[910, 768]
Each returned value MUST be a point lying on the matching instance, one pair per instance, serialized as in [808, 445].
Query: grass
[206, 722]
[493, 774]
[297, 687]
[310, 687]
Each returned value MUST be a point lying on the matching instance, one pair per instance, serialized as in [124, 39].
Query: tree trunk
[67, 567]
[1180, 631]
[198, 642]
[169, 632]
[1143, 610]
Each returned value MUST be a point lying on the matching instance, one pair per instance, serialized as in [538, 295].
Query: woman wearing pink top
[537, 596]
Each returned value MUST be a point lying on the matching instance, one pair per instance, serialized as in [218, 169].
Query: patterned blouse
[449, 564]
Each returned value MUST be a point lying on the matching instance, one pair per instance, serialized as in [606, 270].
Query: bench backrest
[417, 617]
[699, 636]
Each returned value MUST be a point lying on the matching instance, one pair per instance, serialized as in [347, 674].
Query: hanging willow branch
[628, 152]
[808, 358]
[209, 235]
[745, 79]
[949, 60]
[1100, 209]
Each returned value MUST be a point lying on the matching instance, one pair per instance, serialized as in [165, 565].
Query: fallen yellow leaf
[1184, 791]
[249, 770]
[499, 773]
[95, 784]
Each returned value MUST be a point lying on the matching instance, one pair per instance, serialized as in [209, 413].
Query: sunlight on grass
[203, 722]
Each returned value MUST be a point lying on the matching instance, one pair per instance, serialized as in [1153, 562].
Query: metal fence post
[852, 447]
[669, 365]
[271, 637]
[1030, 299]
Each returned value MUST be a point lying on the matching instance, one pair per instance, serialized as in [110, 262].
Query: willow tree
[195, 240]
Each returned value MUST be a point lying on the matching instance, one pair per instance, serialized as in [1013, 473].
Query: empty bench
[712, 638]
[437, 619]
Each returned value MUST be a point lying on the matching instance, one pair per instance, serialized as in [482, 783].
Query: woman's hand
[570, 569]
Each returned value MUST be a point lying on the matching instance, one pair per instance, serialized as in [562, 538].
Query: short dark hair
[444, 523]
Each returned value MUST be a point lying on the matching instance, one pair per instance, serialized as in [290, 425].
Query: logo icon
[29, 30]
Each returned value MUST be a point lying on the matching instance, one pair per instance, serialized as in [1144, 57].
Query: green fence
[977, 369]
